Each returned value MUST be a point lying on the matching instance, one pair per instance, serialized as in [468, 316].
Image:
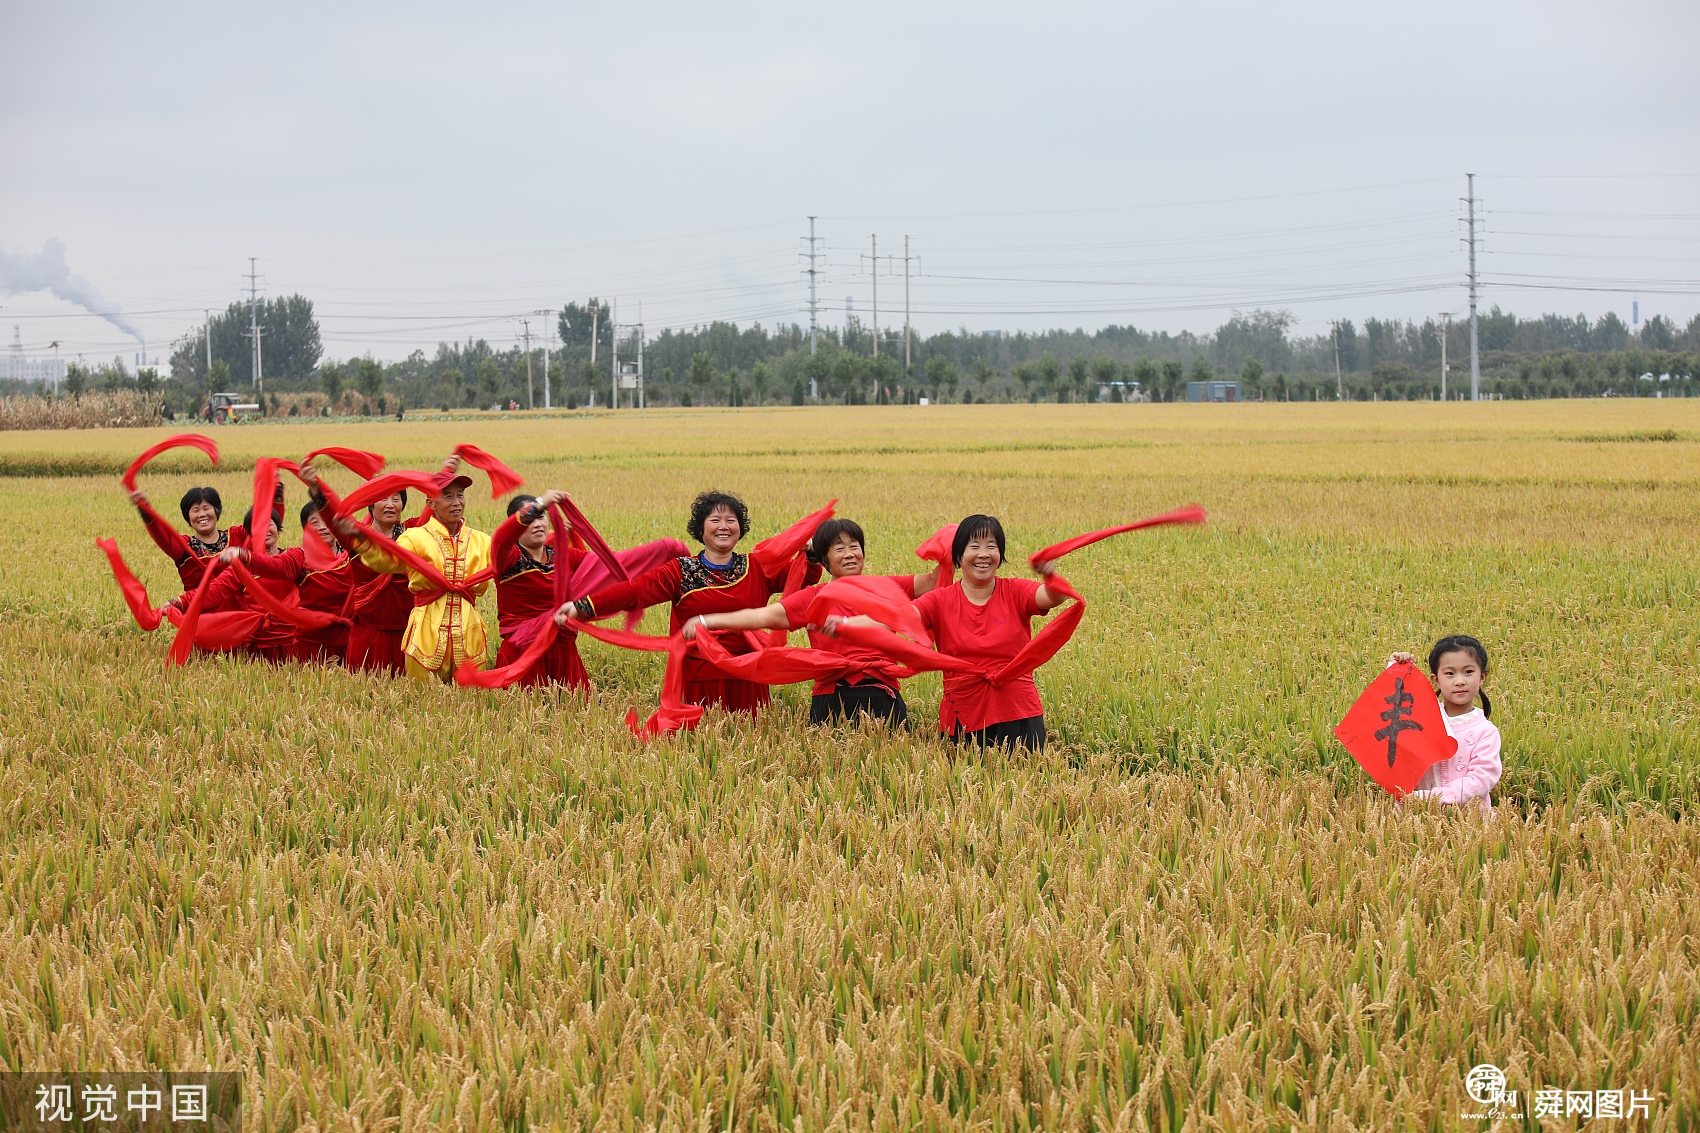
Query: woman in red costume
[270, 638]
[718, 580]
[840, 547]
[201, 509]
[321, 574]
[526, 557]
[377, 605]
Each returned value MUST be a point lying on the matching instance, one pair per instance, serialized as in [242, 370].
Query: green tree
[847, 376]
[1105, 372]
[1079, 373]
[1149, 377]
[76, 380]
[147, 380]
[734, 391]
[1050, 374]
[1251, 375]
[331, 377]
[1174, 379]
[457, 381]
[702, 370]
[1201, 371]
[761, 377]
[1385, 374]
[369, 377]
[489, 379]
[941, 372]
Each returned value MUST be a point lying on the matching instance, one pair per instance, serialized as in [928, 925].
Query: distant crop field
[402, 908]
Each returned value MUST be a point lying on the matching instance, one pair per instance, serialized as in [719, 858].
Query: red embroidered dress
[525, 589]
[695, 587]
[378, 609]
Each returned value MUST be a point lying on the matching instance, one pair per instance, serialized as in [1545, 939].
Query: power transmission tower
[1339, 382]
[814, 308]
[1475, 361]
[254, 330]
[530, 386]
[1445, 326]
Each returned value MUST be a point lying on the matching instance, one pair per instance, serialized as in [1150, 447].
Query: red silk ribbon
[1193, 514]
[135, 594]
[358, 461]
[181, 440]
[776, 550]
[502, 478]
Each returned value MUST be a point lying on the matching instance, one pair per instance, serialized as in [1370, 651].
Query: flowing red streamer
[776, 550]
[185, 639]
[288, 613]
[502, 478]
[135, 594]
[1194, 514]
[937, 550]
[181, 440]
[358, 461]
[385, 486]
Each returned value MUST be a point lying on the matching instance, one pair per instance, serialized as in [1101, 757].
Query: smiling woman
[987, 619]
[717, 580]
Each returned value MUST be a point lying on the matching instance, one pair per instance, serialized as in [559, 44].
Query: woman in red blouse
[716, 581]
[321, 574]
[840, 547]
[526, 558]
[379, 604]
[987, 620]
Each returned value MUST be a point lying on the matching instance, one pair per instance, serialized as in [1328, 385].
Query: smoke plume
[49, 272]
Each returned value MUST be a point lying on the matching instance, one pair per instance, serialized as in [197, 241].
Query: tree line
[726, 364]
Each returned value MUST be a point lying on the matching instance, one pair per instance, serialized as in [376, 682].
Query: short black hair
[373, 506]
[520, 501]
[1462, 643]
[976, 527]
[307, 509]
[248, 520]
[827, 534]
[703, 506]
[201, 496]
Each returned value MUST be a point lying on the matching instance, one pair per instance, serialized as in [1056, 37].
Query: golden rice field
[395, 908]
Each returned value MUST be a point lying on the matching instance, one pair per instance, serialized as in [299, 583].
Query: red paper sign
[1395, 730]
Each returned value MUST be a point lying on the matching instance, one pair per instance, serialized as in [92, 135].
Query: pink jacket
[1474, 771]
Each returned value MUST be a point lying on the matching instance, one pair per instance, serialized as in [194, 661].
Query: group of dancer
[375, 590]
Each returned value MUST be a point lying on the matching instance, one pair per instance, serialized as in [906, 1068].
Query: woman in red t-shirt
[839, 546]
[987, 620]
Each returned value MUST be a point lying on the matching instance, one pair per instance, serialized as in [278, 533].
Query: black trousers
[1028, 733]
[848, 700]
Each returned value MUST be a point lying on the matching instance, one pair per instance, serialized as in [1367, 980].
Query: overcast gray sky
[429, 171]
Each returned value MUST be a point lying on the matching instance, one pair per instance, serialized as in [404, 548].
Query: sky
[432, 171]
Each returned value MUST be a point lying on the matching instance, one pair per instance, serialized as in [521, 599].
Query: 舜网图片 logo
[1486, 1086]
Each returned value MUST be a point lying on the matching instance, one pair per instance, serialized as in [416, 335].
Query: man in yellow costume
[444, 631]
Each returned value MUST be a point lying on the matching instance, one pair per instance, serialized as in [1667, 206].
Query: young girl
[1460, 664]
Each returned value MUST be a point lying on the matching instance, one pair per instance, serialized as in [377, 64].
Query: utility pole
[55, 367]
[547, 350]
[907, 365]
[614, 353]
[1475, 361]
[874, 265]
[530, 386]
[814, 308]
[1445, 325]
[593, 314]
[254, 331]
[642, 402]
[206, 329]
[1339, 383]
